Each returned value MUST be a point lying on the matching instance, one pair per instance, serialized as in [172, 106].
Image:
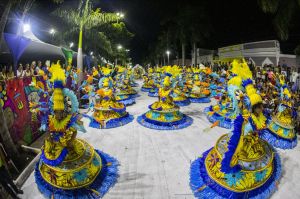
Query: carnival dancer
[281, 129]
[164, 114]
[108, 113]
[199, 93]
[70, 167]
[228, 108]
[241, 165]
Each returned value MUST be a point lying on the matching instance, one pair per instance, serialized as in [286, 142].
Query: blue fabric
[232, 145]
[247, 82]
[204, 187]
[183, 103]
[128, 101]
[200, 100]
[277, 141]
[57, 161]
[145, 89]
[113, 123]
[223, 121]
[104, 181]
[17, 45]
[152, 124]
[153, 94]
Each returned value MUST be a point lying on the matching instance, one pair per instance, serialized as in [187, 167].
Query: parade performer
[281, 129]
[122, 93]
[241, 165]
[123, 79]
[180, 98]
[155, 83]
[108, 113]
[148, 81]
[228, 108]
[70, 167]
[199, 92]
[164, 114]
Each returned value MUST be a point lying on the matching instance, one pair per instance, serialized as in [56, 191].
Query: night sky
[233, 22]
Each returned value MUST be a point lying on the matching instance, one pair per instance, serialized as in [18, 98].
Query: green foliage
[282, 12]
[101, 33]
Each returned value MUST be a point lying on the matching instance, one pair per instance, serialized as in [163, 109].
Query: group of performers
[242, 164]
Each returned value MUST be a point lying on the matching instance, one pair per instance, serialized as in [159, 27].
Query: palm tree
[85, 18]
[283, 12]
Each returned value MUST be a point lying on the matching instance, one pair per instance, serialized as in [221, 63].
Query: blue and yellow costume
[240, 165]
[228, 107]
[199, 92]
[122, 95]
[164, 114]
[70, 167]
[281, 130]
[108, 112]
[148, 81]
[180, 98]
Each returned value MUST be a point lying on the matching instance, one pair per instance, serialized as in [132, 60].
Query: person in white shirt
[20, 71]
[294, 76]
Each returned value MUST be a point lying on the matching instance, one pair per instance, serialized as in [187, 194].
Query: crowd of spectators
[27, 70]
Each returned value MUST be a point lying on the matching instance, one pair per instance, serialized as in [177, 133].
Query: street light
[120, 15]
[52, 31]
[26, 27]
[119, 47]
[71, 44]
[91, 53]
[168, 54]
[127, 50]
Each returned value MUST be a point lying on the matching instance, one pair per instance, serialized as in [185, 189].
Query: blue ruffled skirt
[104, 181]
[205, 187]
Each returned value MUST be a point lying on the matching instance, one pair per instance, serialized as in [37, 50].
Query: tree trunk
[6, 138]
[183, 54]
[4, 18]
[80, 56]
[195, 53]
[164, 61]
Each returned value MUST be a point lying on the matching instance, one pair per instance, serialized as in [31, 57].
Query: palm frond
[283, 18]
[71, 17]
[268, 6]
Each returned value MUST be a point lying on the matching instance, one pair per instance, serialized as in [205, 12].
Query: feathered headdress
[167, 81]
[106, 71]
[58, 78]
[241, 69]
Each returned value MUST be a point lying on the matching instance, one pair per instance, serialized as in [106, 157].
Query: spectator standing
[10, 73]
[20, 71]
[3, 74]
[27, 72]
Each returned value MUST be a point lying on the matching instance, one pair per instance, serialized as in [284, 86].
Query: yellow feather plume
[58, 74]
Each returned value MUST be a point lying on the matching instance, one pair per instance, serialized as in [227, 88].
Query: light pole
[52, 31]
[119, 47]
[168, 54]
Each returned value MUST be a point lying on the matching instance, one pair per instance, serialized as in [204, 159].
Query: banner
[15, 95]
